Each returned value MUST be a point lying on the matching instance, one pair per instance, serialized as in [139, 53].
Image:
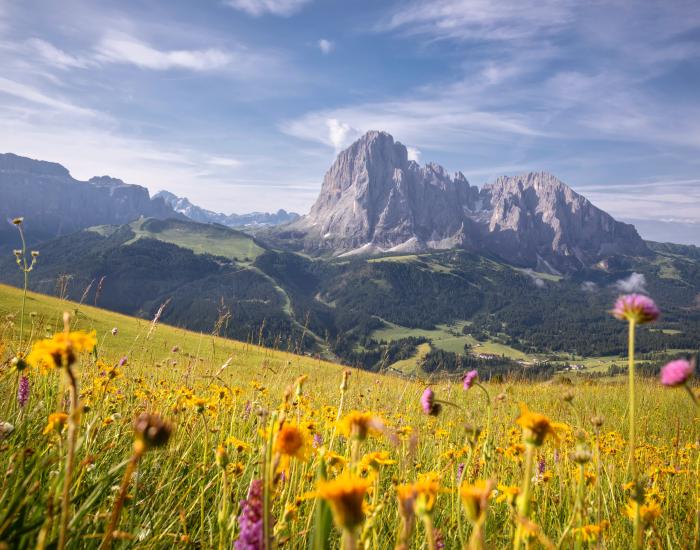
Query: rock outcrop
[53, 203]
[374, 200]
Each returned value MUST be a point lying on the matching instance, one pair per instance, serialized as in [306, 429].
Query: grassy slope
[132, 333]
[201, 239]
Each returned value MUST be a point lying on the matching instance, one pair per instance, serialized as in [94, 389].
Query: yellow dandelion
[346, 495]
[56, 422]
[61, 349]
[536, 427]
[358, 425]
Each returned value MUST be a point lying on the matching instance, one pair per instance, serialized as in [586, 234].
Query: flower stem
[637, 532]
[119, 504]
[73, 422]
[523, 511]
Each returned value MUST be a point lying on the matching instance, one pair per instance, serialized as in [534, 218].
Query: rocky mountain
[54, 203]
[374, 200]
[198, 214]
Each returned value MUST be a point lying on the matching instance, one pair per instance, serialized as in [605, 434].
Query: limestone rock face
[53, 203]
[374, 200]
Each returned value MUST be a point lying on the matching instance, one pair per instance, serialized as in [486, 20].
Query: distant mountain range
[375, 201]
[198, 214]
[391, 256]
[53, 203]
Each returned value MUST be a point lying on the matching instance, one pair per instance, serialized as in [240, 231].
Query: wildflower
[469, 379]
[221, 456]
[636, 308]
[428, 403]
[115, 331]
[592, 532]
[677, 373]
[507, 493]
[536, 427]
[291, 441]
[376, 459]
[23, 391]
[56, 422]
[345, 494]
[425, 492]
[5, 430]
[358, 425]
[237, 444]
[151, 431]
[475, 499]
[61, 350]
[250, 520]
[317, 441]
[648, 511]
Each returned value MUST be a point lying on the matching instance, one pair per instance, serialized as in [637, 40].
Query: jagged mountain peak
[374, 200]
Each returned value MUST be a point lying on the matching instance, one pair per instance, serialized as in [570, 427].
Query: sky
[242, 105]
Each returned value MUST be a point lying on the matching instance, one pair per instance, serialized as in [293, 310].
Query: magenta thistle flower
[23, 391]
[636, 308]
[428, 404]
[250, 520]
[470, 378]
[676, 373]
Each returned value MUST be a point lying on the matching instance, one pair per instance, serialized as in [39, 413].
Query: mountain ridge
[374, 200]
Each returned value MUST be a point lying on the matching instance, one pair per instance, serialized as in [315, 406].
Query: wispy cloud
[122, 48]
[326, 46]
[55, 56]
[31, 95]
[256, 8]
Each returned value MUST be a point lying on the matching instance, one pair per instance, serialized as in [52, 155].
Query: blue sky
[242, 105]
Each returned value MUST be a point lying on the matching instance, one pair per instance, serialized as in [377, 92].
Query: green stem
[119, 504]
[523, 509]
[73, 421]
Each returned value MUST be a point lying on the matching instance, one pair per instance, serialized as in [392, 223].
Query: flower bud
[151, 430]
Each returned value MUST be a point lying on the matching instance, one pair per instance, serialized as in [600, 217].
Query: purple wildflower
[470, 378]
[460, 471]
[439, 540]
[428, 404]
[246, 410]
[676, 373]
[541, 466]
[636, 308]
[318, 441]
[122, 361]
[250, 520]
[23, 391]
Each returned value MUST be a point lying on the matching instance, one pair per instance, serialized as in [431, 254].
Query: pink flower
[470, 378]
[636, 308]
[428, 404]
[676, 373]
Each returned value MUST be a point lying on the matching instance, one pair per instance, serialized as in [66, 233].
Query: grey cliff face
[53, 203]
[374, 200]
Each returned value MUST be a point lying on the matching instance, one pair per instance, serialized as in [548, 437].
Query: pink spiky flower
[470, 378]
[677, 373]
[428, 403]
[636, 308]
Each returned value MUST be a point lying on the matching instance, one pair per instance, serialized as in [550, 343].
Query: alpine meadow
[292, 326]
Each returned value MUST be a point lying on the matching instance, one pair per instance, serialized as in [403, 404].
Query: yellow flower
[475, 499]
[508, 493]
[648, 511]
[376, 459]
[536, 427]
[61, 350]
[56, 422]
[291, 441]
[593, 532]
[346, 495]
[237, 444]
[358, 425]
[423, 493]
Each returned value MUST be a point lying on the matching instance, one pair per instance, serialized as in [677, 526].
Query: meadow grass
[230, 401]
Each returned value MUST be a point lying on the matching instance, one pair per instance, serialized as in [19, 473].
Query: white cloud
[634, 283]
[32, 95]
[413, 153]
[339, 133]
[256, 8]
[224, 161]
[55, 56]
[480, 19]
[326, 46]
[122, 48]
